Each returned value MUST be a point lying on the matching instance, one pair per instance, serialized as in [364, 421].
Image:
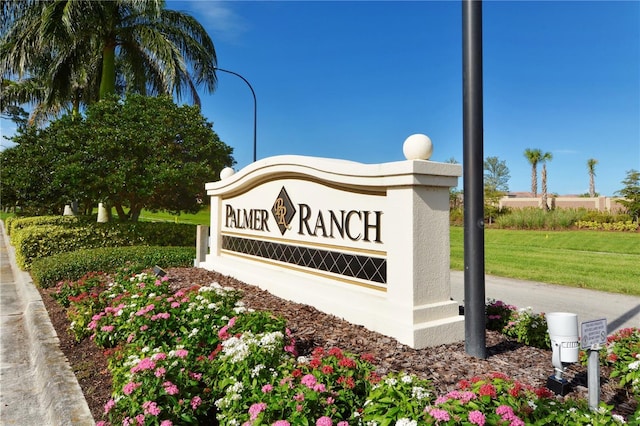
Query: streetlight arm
[255, 108]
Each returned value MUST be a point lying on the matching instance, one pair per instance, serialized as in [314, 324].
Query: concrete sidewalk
[37, 385]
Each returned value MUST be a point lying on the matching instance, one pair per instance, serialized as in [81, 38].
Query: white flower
[634, 365]
[255, 371]
[419, 393]
[193, 332]
[302, 360]
[391, 381]
[211, 306]
[406, 422]
[406, 379]
[618, 418]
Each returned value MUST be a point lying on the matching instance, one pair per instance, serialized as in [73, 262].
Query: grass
[203, 217]
[605, 261]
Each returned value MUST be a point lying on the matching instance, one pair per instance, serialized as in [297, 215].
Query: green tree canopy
[631, 193]
[496, 175]
[135, 153]
[64, 53]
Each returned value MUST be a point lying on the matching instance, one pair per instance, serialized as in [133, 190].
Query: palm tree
[533, 156]
[80, 51]
[543, 159]
[591, 166]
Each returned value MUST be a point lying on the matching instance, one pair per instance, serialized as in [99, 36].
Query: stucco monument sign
[365, 242]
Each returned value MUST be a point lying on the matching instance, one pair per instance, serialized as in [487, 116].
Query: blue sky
[352, 80]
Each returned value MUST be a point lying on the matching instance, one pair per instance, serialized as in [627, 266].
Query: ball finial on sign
[226, 172]
[417, 147]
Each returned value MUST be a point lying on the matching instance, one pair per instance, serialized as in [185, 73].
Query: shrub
[41, 241]
[534, 218]
[520, 324]
[17, 223]
[48, 271]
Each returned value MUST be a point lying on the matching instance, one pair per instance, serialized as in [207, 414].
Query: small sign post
[594, 335]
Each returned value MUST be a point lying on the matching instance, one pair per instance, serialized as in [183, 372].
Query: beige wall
[603, 204]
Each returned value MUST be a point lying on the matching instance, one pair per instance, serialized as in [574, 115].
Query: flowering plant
[498, 314]
[189, 356]
[397, 397]
[521, 324]
[330, 387]
[622, 354]
[528, 328]
[158, 387]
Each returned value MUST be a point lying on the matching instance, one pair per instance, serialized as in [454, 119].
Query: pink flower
[102, 423]
[505, 412]
[343, 424]
[195, 402]
[324, 421]
[159, 356]
[281, 423]
[144, 327]
[267, 388]
[140, 419]
[109, 405]
[330, 400]
[131, 337]
[309, 380]
[130, 387]
[440, 415]
[160, 371]
[477, 418]
[166, 423]
[107, 328]
[319, 387]
[144, 364]
[195, 376]
[181, 353]
[256, 409]
[299, 397]
[175, 305]
[223, 334]
[170, 388]
[150, 407]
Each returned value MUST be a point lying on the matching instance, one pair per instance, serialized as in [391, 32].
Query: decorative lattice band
[366, 268]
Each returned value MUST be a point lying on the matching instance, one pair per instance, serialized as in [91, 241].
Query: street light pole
[255, 109]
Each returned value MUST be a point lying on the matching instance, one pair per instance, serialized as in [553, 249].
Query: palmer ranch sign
[368, 243]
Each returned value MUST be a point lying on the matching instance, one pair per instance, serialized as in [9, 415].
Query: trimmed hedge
[35, 242]
[48, 271]
[15, 223]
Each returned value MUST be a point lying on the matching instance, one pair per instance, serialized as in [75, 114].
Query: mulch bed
[445, 365]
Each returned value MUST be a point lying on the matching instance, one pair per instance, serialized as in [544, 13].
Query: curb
[60, 395]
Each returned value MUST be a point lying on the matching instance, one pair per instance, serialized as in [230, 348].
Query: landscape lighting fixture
[563, 333]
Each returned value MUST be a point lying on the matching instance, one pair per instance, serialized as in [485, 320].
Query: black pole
[255, 110]
[473, 174]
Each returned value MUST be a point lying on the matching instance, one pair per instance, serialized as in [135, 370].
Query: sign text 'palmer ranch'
[368, 243]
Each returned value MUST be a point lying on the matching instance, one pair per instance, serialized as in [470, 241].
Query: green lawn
[203, 217]
[608, 261]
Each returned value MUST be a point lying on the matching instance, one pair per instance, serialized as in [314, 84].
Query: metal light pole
[255, 109]
[474, 283]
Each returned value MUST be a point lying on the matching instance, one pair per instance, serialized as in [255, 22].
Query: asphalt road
[621, 311]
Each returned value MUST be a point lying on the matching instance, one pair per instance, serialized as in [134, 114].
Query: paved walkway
[37, 385]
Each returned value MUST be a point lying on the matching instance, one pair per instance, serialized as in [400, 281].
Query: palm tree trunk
[108, 78]
[592, 185]
[534, 180]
